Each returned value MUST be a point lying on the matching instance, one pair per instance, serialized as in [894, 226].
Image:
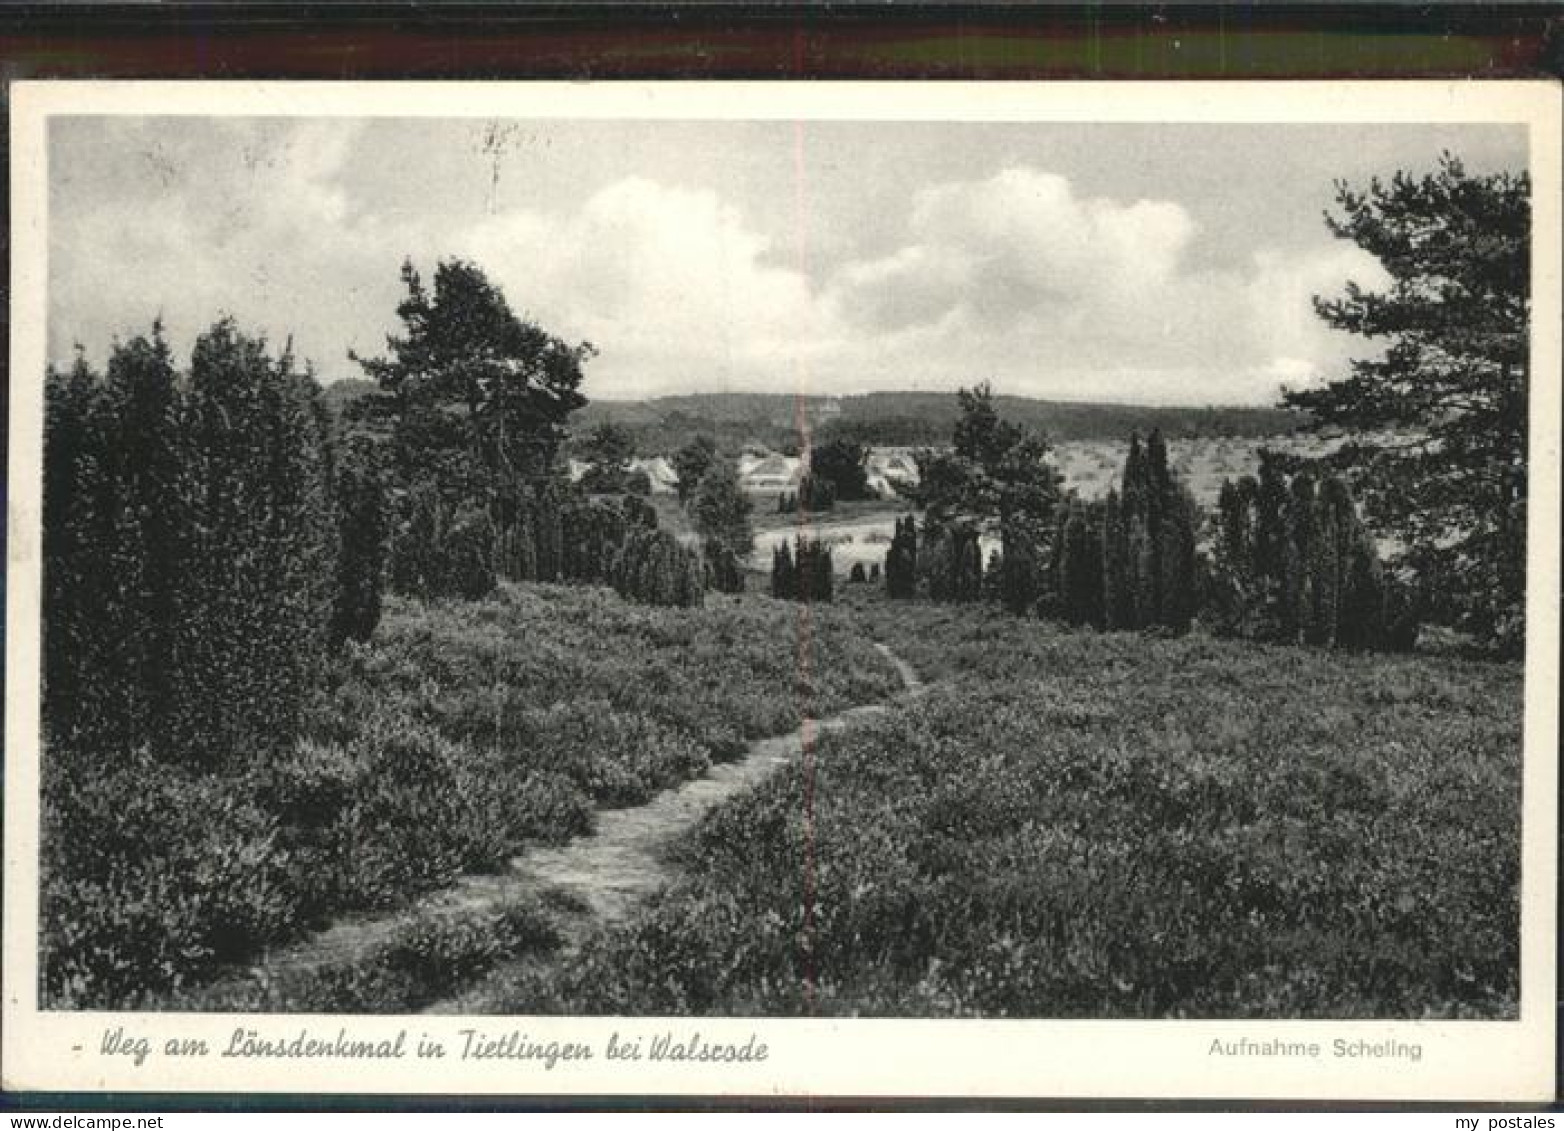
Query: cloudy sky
[1166, 264]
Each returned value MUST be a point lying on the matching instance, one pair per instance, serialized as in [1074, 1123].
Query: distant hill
[664, 424]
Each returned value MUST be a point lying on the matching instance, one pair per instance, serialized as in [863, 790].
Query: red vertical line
[805, 624]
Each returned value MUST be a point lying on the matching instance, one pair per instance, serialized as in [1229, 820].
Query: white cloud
[672, 286]
[1015, 277]
[1019, 279]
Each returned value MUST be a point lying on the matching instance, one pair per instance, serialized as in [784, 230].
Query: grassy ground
[1078, 825]
[462, 733]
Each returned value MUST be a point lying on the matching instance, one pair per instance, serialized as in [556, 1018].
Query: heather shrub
[138, 896]
[1258, 832]
[459, 734]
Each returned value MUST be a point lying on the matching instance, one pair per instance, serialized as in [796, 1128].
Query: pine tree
[653, 568]
[1438, 415]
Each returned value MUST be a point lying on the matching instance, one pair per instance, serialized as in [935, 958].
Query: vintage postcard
[758, 589]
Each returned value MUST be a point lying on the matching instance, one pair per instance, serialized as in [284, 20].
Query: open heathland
[1074, 824]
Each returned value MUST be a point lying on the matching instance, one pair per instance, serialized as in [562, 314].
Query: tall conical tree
[1300, 601]
[363, 534]
[85, 704]
[1270, 541]
[783, 582]
[901, 561]
[1081, 566]
[1117, 599]
[1176, 558]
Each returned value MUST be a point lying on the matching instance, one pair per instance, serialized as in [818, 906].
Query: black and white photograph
[689, 569]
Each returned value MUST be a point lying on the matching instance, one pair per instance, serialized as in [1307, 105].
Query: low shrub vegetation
[428, 956]
[462, 732]
[1107, 825]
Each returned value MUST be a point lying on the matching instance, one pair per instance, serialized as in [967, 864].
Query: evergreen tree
[469, 555]
[1138, 555]
[933, 576]
[1017, 576]
[812, 571]
[840, 463]
[154, 546]
[257, 591]
[720, 511]
[691, 463]
[1139, 520]
[1299, 609]
[653, 568]
[993, 480]
[1346, 573]
[723, 572]
[1176, 558]
[607, 449]
[507, 384]
[901, 561]
[548, 530]
[784, 583]
[1080, 567]
[89, 706]
[1270, 543]
[966, 565]
[1118, 610]
[474, 401]
[1438, 417]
